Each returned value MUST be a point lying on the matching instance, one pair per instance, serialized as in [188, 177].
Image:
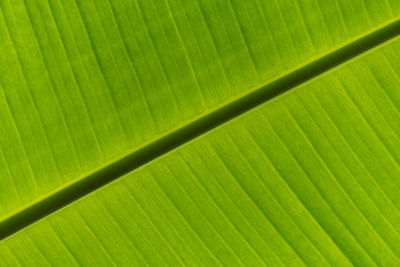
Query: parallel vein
[130, 161]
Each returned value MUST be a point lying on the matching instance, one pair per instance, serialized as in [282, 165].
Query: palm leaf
[100, 91]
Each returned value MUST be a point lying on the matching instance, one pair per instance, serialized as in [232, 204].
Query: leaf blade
[68, 68]
[276, 177]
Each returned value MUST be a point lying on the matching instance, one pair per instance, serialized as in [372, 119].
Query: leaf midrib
[88, 183]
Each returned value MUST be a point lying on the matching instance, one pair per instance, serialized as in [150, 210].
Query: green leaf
[306, 179]
[92, 90]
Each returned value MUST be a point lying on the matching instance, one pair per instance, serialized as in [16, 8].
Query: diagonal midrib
[86, 184]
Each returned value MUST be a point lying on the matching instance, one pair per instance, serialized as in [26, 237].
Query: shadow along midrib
[95, 180]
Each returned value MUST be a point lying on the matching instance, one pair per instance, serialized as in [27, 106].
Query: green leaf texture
[309, 178]
[289, 183]
[83, 82]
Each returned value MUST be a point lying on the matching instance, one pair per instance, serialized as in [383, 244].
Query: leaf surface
[308, 178]
[85, 82]
[305, 179]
